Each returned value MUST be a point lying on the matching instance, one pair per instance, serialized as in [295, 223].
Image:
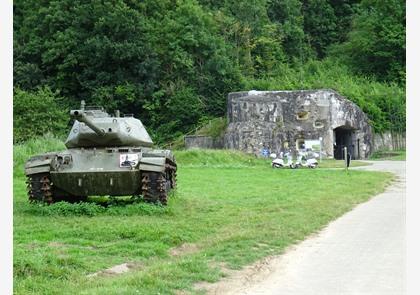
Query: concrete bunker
[295, 120]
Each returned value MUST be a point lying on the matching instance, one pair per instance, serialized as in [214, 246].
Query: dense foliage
[172, 63]
[37, 113]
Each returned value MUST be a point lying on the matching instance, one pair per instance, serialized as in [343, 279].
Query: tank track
[155, 186]
[40, 188]
[171, 174]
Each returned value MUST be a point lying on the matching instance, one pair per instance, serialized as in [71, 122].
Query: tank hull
[114, 171]
[115, 183]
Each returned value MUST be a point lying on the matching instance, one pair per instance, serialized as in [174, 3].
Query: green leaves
[37, 113]
[376, 43]
[172, 63]
[320, 24]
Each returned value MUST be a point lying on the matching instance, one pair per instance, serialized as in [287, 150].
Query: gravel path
[362, 252]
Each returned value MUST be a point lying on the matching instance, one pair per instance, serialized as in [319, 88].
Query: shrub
[37, 113]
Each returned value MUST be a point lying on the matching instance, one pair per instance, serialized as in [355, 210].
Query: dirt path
[362, 252]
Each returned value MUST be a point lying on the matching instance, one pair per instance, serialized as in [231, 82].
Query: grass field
[229, 210]
[389, 155]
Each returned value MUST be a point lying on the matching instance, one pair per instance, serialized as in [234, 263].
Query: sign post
[320, 149]
[345, 158]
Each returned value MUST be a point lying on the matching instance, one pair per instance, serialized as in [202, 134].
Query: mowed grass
[332, 163]
[229, 210]
[398, 155]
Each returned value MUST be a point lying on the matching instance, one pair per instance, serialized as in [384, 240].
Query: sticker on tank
[129, 160]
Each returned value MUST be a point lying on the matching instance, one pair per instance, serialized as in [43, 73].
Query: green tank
[105, 156]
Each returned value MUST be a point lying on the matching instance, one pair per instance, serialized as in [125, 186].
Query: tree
[344, 11]
[376, 43]
[123, 54]
[319, 24]
[172, 63]
[287, 14]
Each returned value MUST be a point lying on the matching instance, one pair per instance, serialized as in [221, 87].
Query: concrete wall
[385, 141]
[388, 141]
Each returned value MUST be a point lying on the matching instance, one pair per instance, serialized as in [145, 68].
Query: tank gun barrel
[80, 116]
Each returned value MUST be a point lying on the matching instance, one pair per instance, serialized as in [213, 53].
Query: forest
[172, 62]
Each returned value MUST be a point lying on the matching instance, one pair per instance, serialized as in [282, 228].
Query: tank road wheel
[40, 188]
[155, 187]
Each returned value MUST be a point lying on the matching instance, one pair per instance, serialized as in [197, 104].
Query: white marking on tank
[79, 183]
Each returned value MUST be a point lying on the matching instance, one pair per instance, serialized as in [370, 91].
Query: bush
[37, 113]
[214, 128]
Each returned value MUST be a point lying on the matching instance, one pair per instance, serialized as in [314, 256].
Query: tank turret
[93, 127]
[80, 116]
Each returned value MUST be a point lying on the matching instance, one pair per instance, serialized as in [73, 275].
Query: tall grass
[21, 152]
[214, 128]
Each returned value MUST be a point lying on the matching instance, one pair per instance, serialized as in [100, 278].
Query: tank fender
[38, 164]
[165, 154]
[156, 164]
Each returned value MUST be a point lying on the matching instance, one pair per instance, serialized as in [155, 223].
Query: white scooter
[303, 162]
[279, 162]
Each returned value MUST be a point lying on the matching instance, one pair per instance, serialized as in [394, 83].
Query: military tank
[105, 156]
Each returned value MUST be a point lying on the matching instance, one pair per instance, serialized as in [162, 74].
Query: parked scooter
[303, 162]
[280, 163]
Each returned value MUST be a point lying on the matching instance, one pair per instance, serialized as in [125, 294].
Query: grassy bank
[230, 158]
[229, 210]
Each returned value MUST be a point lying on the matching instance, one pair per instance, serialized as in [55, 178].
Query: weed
[65, 209]
[93, 209]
